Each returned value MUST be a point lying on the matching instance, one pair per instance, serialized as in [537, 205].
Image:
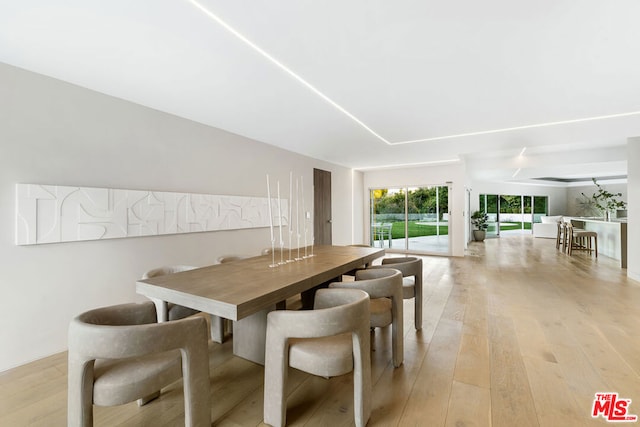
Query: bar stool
[580, 240]
[566, 241]
[561, 236]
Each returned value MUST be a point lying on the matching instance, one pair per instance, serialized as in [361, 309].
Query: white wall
[56, 133]
[633, 208]
[424, 176]
[359, 208]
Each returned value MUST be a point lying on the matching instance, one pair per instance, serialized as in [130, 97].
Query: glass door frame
[483, 202]
[405, 189]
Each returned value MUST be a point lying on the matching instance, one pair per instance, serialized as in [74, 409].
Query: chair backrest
[377, 282]
[336, 311]
[127, 330]
[230, 258]
[169, 269]
[408, 266]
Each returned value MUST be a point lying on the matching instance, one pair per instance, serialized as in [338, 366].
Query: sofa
[547, 227]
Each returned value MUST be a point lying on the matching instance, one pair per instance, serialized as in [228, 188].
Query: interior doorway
[322, 207]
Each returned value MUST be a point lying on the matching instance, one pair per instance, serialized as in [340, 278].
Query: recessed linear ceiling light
[315, 90]
[582, 179]
[522, 152]
[285, 69]
[516, 172]
[434, 162]
[537, 125]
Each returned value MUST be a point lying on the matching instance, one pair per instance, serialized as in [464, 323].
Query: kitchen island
[612, 236]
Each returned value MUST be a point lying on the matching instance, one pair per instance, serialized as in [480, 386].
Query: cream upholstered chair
[330, 340]
[384, 286]
[411, 269]
[172, 311]
[353, 272]
[230, 258]
[119, 354]
[175, 311]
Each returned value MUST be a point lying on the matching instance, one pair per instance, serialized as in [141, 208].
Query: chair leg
[217, 329]
[80, 394]
[144, 400]
[361, 380]
[397, 333]
[418, 301]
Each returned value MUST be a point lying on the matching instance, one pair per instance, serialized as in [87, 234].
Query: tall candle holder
[273, 240]
[289, 219]
[298, 258]
[312, 231]
[280, 226]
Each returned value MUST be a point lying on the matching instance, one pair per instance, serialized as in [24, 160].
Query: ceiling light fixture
[538, 125]
[522, 152]
[337, 106]
[434, 162]
[284, 68]
[516, 173]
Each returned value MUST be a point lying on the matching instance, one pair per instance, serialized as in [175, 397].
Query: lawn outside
[422, 228]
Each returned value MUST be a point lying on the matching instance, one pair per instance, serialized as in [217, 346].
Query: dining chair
[352, 273]
[411, 269]
[330, 340]
[171, 311]
[384, 286]
[118, 354]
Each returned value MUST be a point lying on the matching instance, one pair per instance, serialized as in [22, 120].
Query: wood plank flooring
[514, 334]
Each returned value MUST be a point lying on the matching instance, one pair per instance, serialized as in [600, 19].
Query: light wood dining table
[246, 290]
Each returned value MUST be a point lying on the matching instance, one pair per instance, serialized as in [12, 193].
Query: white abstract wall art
[53, 213]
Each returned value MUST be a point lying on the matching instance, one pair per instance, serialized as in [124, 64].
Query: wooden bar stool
[561, 236]
[580, 240]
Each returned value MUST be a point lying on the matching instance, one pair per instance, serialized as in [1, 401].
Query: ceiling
[364, 83]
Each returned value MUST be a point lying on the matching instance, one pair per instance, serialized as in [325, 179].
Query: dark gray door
[322, 207]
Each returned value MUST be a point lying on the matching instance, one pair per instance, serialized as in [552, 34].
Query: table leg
[250, 336]
[162, 309]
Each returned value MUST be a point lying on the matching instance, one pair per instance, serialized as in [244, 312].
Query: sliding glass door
[414, 219]
[489, 203]
[512, 213]
[388, 213]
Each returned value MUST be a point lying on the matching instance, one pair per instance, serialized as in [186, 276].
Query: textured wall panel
[53, 214]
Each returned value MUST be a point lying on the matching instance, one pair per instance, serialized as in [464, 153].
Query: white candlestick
[304, 213]
[290, 203]
[290, 219]
[298, 216]
[270, 214]
[280, 214]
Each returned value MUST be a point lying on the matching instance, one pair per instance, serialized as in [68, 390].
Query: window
[512, 213]
[412, 219]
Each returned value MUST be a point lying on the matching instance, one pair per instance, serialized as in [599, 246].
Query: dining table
[246, 290]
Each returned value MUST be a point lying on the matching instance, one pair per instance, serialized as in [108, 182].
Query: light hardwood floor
[515, 334]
